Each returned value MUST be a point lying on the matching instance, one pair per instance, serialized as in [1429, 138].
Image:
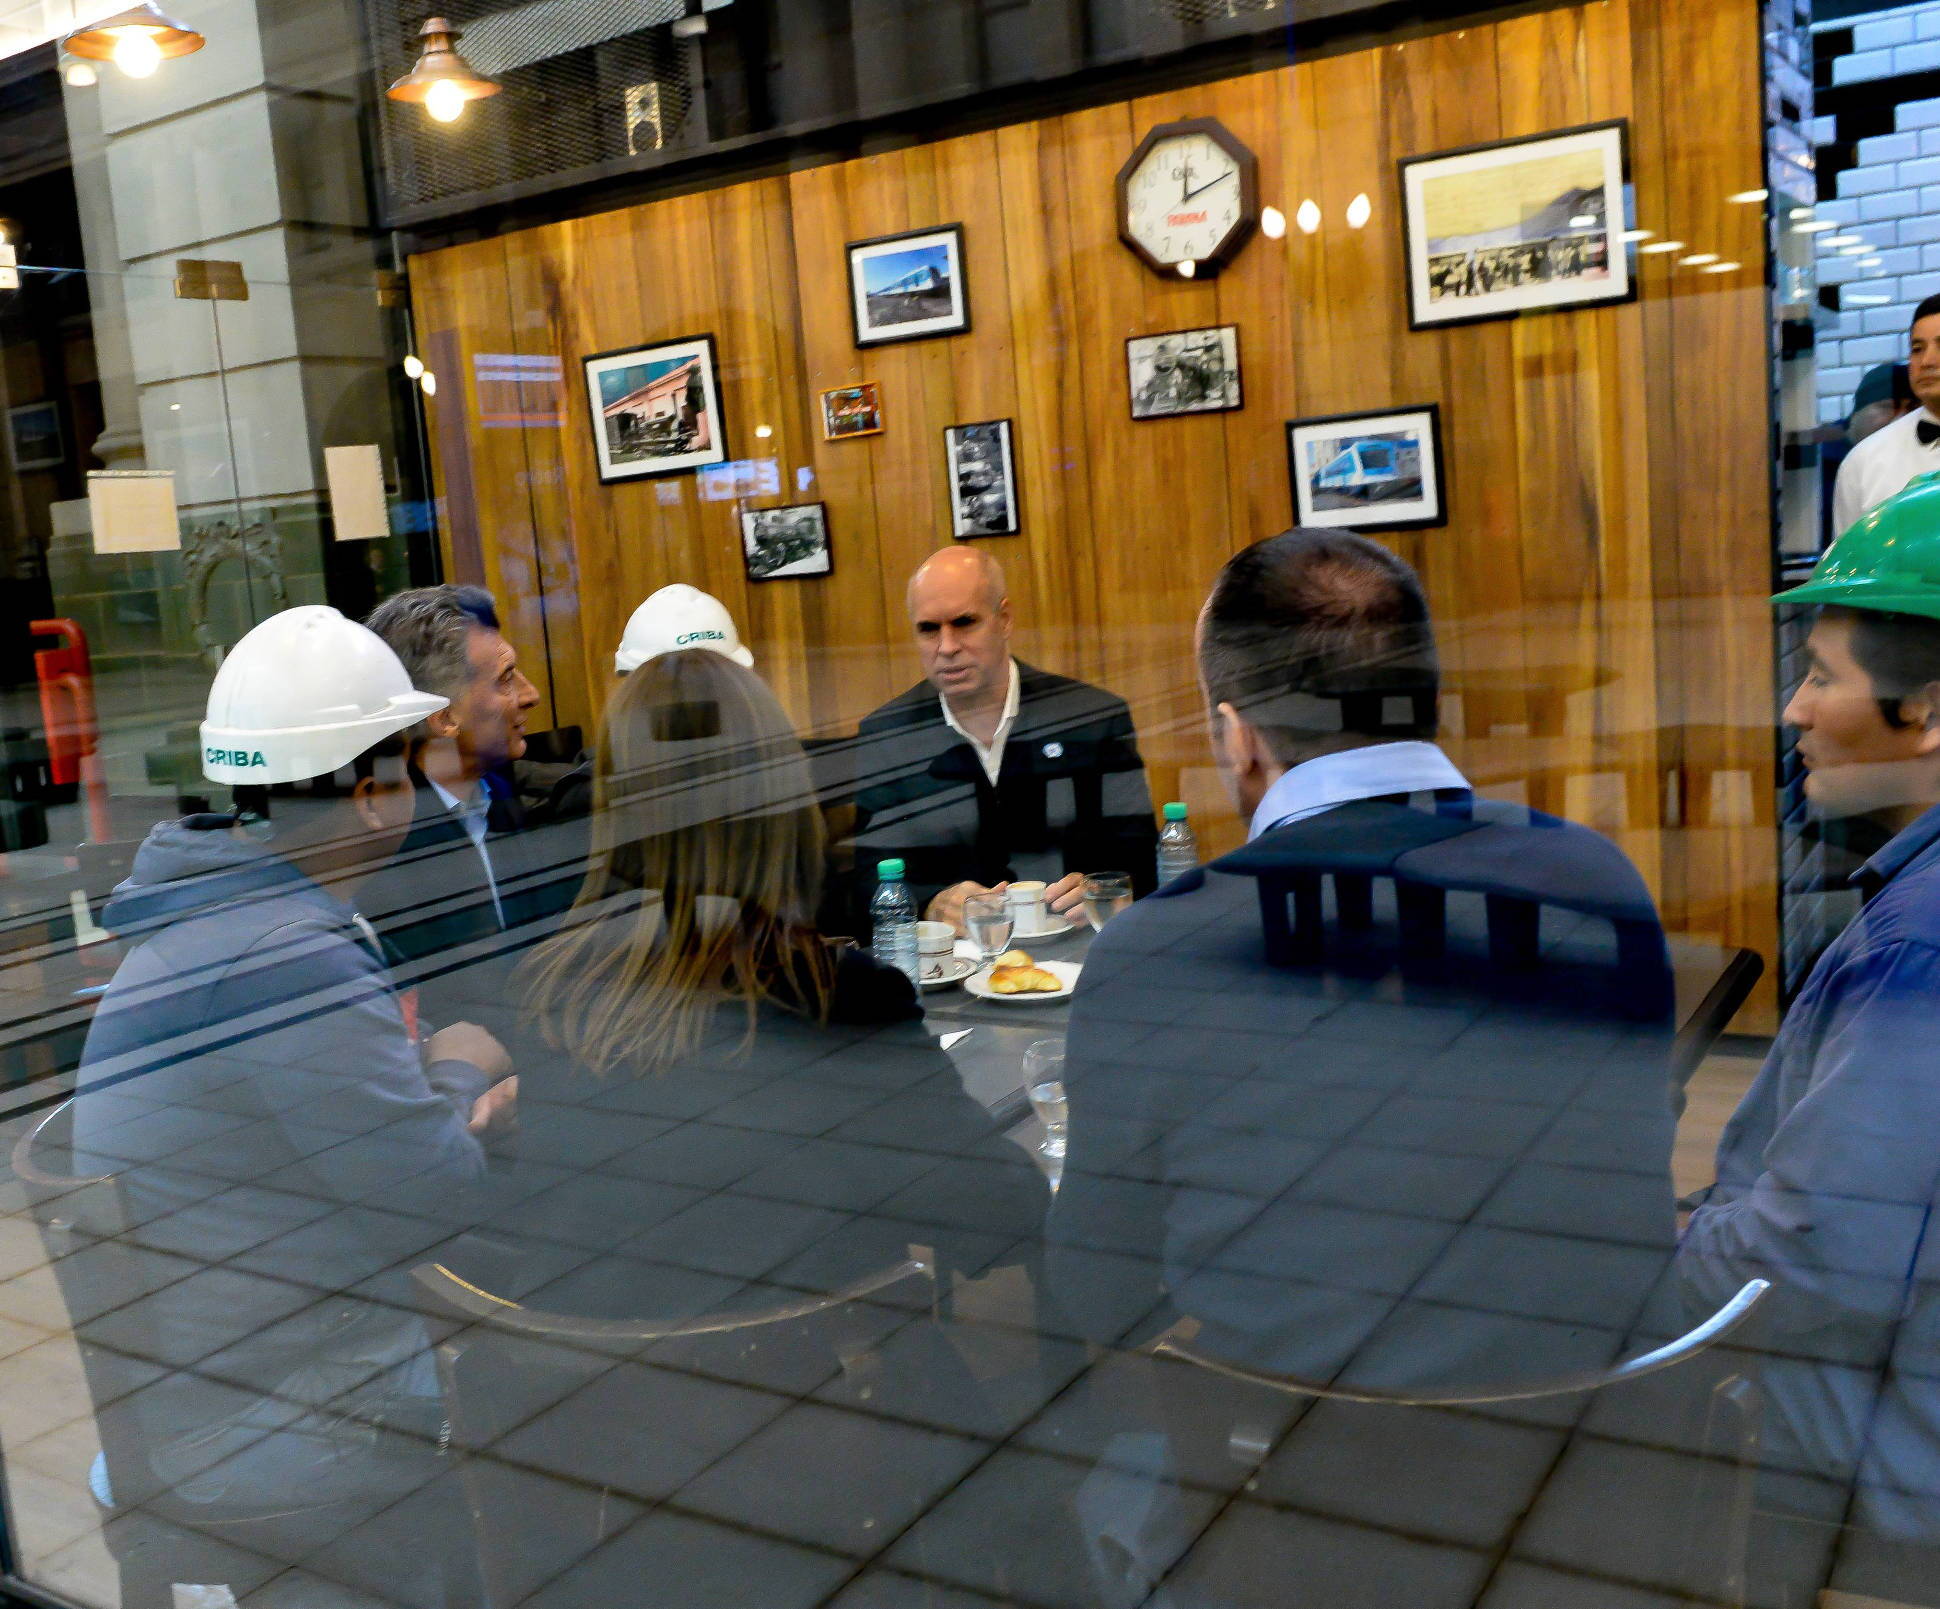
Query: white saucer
[1055, 933]
[955, 970]
[1066, 972]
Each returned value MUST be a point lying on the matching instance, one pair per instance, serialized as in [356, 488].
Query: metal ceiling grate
[586, 82]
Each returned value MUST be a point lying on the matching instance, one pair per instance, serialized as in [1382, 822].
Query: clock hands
[1208, 185]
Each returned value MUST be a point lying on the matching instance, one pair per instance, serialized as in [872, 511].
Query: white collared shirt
[472, 818]
[1881, 465]
[1315, 785]
[991, 754]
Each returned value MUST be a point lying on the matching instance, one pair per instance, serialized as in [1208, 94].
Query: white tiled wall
[1891, 199]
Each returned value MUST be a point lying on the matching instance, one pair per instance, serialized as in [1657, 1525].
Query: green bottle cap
[1175, 811]
[890, 871]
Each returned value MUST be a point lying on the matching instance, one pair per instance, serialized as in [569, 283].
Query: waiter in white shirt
[1885, 461]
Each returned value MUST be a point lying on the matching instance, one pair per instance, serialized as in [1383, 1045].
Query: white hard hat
[304, 692]
[679, 616]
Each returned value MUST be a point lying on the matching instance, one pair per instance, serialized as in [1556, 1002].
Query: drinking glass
[1044, 1084]
[987, 918]
[1106, 894]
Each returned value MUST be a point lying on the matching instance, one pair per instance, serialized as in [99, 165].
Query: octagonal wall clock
[1189, 193]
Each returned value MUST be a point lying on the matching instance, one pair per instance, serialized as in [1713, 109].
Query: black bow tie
[1928, 432]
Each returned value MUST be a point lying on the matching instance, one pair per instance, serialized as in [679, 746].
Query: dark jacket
[1071, 796]
[251, 1084]
[1828, 1179]
[1400, 1160]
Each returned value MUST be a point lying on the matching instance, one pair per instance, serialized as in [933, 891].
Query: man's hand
[497, 1110]
[948, 906]
[1066, 895]
[467, 1042]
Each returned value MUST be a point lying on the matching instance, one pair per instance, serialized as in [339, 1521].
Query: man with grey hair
[449, 640]
[989, 771]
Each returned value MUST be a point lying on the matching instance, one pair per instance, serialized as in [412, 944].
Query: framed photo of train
[1184, 371]
[908, 287]
[1368, 471]
[656, 410]
[778, 543]
[1517, 226]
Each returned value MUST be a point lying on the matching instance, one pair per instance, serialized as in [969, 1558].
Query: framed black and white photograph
[1517, 226]
[34, 435]
[983, 479]
[656, 409]
[1368, 471]
[1185, 371]
[908, 287]
[778, 543]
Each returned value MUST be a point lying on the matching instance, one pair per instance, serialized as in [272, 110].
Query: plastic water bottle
[894, 914]
[1178, 849]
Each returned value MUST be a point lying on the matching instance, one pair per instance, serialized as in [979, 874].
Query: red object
[67, 710]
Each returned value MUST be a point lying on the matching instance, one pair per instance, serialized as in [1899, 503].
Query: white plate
[955, 970]
[1066, 972]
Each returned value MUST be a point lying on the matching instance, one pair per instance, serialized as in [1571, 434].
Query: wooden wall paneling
[1555, 394]
[850, 672]
[1713, 148]
[754, 289]
[483, 321]
[600, 310]
[1625, 707]
[1053, 572]
[1256, 296]
[533, 265]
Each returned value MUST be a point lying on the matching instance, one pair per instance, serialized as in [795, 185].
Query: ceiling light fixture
[1308, 217]
[1359, 210]
[441, 80]
[81, 75]
[1637, 234]
[1724, 268]
[137, 40]
[1664, 246]
[1273, 222]
[1698, 259]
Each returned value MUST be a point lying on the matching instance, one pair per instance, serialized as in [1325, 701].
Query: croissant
[1023, 980]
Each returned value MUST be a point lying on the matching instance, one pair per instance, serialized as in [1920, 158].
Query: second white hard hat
[677, 617]
[303, 693]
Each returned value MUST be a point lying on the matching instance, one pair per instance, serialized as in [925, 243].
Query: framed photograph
[1520, 226]
[852, 410]
[34, 434]
[778, 543]
[656, 409]
[908, 287]
[1368, 471]
[1186, 371]
[983, 479]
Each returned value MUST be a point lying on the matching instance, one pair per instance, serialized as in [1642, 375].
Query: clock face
[1187, 197]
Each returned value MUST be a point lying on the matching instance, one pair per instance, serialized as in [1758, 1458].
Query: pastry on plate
[1013, 958]
[1023, 980]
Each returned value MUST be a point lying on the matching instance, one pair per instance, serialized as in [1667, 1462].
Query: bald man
[989, 771]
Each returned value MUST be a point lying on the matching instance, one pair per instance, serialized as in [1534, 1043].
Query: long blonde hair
[704, 875]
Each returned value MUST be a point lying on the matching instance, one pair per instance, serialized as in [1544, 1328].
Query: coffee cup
[1027, 909]
[935, 940]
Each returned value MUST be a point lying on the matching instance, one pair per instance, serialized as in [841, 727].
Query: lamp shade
[99, 40]
[440, 73]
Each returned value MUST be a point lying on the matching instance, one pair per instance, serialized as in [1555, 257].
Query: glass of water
[1106, 894]
[1044, 1084]
[988, 919]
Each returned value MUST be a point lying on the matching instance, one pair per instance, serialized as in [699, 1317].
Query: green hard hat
[1888, 561]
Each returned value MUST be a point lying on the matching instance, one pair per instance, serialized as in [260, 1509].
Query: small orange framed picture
[852, 410]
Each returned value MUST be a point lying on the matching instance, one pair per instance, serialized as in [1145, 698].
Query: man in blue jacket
[1828, 1173]
[277, 1149]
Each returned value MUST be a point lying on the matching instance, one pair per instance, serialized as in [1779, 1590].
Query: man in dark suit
[454, 880]
[989, 770]
[1425, 1144]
